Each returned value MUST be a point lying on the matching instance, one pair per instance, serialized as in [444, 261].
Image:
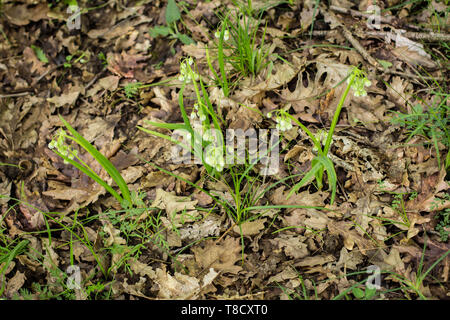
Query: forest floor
[353, 202]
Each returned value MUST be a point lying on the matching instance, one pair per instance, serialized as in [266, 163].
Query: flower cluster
[359, 83]
[214, 157]
[226, 35]
[321, 136]
[60, 145]
[186, 73]
[205, 133]
[283, 121]
[198, 113]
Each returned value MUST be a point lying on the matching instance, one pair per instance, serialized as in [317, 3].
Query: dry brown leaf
[315, 260]
[349, 260]
[107, 83]
[284, 72]
[173, 204]
[142, 268]
[131, 174]
[181, 286]
[221, 256]
[157, 179]
[204, 8]
[286, 274]
[64, 99]
[22, 15]
[306, 17]
[399, 91]
[244, 117]
[293, 245]
[351, 237]
[65, 193]
[394, 261]
[196, 50]
[300, 199]
[209, 226]
[413, 57]
[114, 237]
[250, 228]
[329, 74]
[15, 283]
[36, 64]
[429, 197]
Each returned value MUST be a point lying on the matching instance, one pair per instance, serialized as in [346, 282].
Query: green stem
[336, 115]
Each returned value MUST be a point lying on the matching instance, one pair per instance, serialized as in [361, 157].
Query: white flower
[214, 158]
[201, 115]
[283, 123]
[359, 83]
[186, 73]
[61, 147]
[226, 35]
[321, 136]
[208, 136]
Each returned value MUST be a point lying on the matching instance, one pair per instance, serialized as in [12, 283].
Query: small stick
[384, 19]
[13, 95]
[413, 76]
[348, 35]
[431, 36]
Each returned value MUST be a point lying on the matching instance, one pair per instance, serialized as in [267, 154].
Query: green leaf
[385, 64]
[308, 176]
[358, 293]
[131, 89]
[172, 12]
[104, 162]
[170, 126]
[71, 2]
[332, 177]
[370, 292]
[39, 54]
[159, 31]
[185, 39]
[164, 136]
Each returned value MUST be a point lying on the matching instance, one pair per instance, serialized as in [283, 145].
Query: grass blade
[104, 162]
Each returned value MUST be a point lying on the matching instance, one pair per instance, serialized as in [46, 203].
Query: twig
[32, 87]
[431, 36]
[348, 35]
[90, 83]
[412, 76]
[34, 83]
[13, 95]
[228, 230]
[383, 19]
